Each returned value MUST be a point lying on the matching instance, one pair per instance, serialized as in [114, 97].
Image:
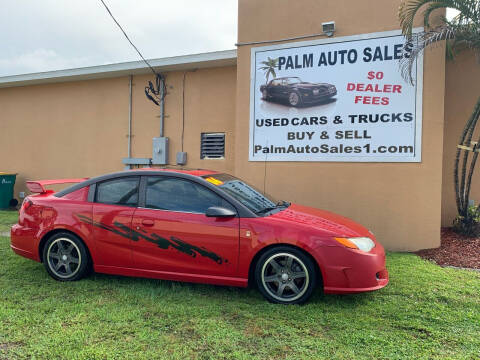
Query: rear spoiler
[38, 186]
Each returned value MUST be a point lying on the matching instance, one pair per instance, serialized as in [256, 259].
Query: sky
[49, 35]
[44, 35]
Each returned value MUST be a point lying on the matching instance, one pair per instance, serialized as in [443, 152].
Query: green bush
[468, 225]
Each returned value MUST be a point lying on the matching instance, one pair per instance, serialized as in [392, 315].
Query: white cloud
[55, 34]
[42, 60]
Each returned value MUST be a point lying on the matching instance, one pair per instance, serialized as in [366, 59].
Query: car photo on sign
[294, 92]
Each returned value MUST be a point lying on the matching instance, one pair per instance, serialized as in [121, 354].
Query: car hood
[321, 220]
[311, 85]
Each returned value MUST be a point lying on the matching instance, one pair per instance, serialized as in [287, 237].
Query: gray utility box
[160, 151]
[181, 158]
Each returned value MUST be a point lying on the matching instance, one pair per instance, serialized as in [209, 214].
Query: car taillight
[26, 204]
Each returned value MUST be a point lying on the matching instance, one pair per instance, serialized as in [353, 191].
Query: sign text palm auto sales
[335, 101]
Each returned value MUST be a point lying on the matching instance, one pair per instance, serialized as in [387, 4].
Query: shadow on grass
[28, 273]
[250, 294]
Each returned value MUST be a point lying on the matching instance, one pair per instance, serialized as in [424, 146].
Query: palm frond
[269, 68]
[420, 41]
[460, 33]
[429, 10]
[407, 12]
[469, 12]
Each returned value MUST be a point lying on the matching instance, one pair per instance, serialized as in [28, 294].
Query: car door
[284, 89]
[177, 236]
[274, 88]
[113, 208]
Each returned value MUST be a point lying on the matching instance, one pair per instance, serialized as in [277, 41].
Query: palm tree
[461, 33]
[269, 67]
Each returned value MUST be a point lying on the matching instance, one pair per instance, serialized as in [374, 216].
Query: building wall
[400, 203]
[61, 130]
[462, 90]
[78, 129]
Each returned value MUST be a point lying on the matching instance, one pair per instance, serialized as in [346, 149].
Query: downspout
[130, 117]
[162, 105]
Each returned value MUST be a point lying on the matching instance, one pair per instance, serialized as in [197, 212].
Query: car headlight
[361, 243]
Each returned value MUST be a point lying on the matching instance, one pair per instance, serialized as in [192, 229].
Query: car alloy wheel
[65, 257]
[294, 99]
[286, 277]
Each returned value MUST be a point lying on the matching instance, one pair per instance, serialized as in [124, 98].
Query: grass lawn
[426, 312]
[7, 218]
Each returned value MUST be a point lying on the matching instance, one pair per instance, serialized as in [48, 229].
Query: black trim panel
[142, 199]
[91, 193]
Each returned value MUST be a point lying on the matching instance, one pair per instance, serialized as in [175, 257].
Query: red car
[196, 226]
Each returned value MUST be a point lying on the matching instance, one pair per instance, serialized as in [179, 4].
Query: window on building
[212, 146]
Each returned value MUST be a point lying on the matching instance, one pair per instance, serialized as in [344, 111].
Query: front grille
[324, 92]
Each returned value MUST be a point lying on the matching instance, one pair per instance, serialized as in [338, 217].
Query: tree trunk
[474, 158]
[462, 188]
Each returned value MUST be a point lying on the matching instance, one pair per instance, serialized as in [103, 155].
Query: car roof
[191, 174]
[286, 77]
[151, 171]
[194, 172]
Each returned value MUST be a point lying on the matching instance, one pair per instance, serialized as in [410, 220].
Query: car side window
[174, 194]
[123, 191]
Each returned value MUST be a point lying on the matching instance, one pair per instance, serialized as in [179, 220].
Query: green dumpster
[7, 182]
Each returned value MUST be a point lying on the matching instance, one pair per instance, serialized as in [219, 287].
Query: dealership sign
[339, 99]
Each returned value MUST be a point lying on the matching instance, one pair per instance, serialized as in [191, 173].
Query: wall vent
[212, 146]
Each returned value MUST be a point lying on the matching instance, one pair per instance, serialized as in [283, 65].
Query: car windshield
[293, 80]
[248, 195]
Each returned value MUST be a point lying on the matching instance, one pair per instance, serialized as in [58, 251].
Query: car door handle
[148, 222]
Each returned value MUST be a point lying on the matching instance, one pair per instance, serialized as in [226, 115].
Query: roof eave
[176, 63]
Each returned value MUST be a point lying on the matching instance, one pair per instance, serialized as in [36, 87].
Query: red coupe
[197, 226]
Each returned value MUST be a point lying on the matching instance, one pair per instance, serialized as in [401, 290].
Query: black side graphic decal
[162, 243]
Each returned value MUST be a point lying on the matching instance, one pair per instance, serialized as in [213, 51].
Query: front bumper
[310, 98]
[349, 271]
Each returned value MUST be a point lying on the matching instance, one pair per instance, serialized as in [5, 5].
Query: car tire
[285, 275]
[65, 257]
[294, 99]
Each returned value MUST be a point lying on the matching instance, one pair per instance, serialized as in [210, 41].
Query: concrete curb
[460, 268]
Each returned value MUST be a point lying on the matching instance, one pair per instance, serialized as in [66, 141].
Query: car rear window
[123, 191]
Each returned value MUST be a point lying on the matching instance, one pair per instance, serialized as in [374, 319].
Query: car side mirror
[217, 211]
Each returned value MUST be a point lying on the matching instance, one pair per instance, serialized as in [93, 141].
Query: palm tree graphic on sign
[269, 67]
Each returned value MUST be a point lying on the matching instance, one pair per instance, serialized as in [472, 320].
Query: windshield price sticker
[340, 99]
[214, 181]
